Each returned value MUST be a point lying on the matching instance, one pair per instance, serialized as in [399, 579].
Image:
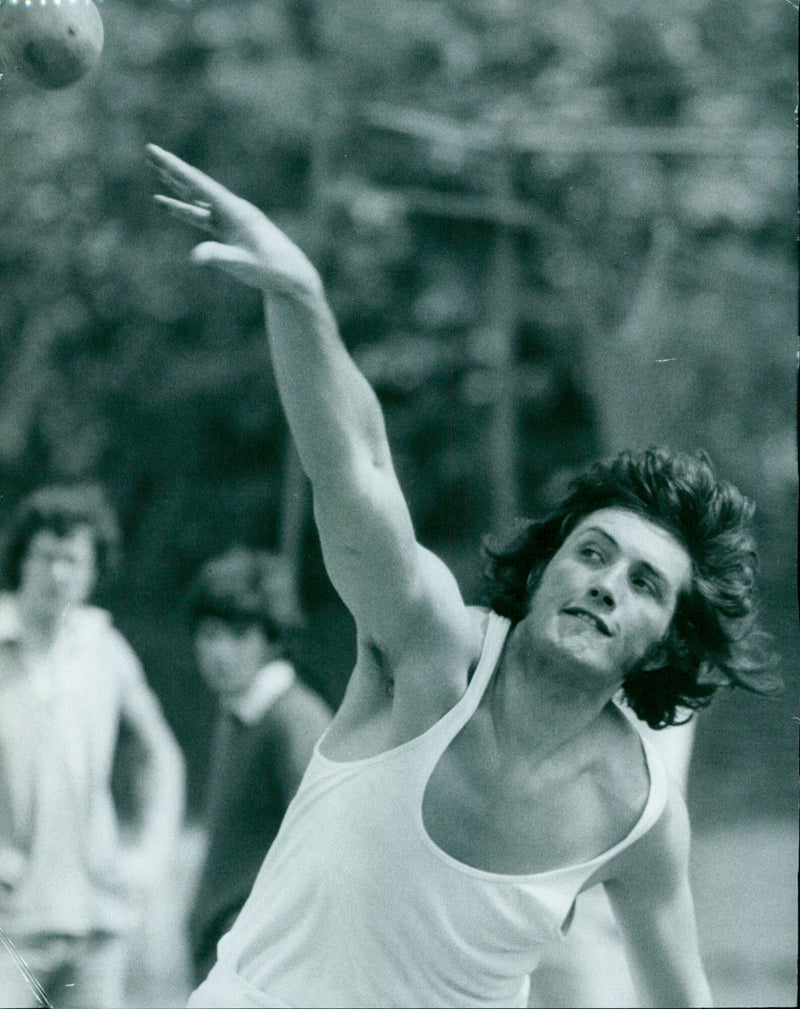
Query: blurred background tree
[548, 231]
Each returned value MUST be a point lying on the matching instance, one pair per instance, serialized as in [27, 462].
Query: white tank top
[356, 906]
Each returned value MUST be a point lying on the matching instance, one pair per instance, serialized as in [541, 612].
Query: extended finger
[176, 186]
[199, 215]
[172, 182]
[184, 177]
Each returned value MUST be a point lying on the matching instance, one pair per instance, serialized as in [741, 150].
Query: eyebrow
[654, 571]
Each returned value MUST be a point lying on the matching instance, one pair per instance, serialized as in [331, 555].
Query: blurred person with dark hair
[478, 775]
[242, 612]
[70, 890]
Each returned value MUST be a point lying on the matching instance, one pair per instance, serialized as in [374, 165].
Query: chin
[588, 661]
[53, 608]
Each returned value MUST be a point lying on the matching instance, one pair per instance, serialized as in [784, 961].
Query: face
[609, 593]
[230, 656]
[58, 571]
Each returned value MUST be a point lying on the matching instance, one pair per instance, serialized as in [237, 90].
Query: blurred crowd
[87, 848]
[94, 840]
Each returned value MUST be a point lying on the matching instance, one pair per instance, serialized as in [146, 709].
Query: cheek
[27, 575]
[210, 654]
[548, 595]
[84, 582]
[552, 580]
[562, 583]
[91, 573]
[650, 628]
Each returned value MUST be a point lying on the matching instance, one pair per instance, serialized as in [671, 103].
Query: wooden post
[501, 298]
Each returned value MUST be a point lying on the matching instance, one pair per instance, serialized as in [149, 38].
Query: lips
[590, 618]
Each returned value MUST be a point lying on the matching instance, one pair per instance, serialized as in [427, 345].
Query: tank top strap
[450, 725]
[497, 629]
[576, 875]
[659, 787]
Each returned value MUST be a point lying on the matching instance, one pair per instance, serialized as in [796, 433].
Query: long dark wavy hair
[61, 508]
[714, 639]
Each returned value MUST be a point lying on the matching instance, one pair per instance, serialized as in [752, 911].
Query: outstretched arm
[652, 901]
[392, 586]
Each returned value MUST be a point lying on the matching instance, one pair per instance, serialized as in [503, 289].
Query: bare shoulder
[444, 652]
[626, 778]
[662, 851]
[411, 607]
[393, 698]
[608, 776]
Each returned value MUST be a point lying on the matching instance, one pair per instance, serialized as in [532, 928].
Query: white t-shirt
[59, 720]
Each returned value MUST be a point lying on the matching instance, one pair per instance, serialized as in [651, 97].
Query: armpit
[378, 663]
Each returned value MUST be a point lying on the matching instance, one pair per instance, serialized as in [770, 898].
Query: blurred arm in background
[653, 906]
[156, 778]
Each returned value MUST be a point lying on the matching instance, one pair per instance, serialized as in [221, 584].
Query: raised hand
[245, 243]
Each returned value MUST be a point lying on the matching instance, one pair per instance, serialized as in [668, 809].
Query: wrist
[301, 286]
[304, 299]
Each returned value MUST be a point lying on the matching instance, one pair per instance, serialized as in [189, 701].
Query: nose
[60, 572]
[603, 595]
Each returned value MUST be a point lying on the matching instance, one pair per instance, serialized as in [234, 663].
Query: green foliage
[123, 363]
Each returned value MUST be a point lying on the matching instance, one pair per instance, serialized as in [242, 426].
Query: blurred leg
[74, 971]
[94, 978]
[15, 992]
[46, 958]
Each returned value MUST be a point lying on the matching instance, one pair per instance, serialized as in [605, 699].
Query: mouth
[589, 618]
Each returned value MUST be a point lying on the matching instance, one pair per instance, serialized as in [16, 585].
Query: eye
[591, 553]
[646, 585]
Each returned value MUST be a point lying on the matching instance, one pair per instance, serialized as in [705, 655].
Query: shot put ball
[53, 44]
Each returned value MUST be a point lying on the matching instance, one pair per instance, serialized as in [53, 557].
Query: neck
[539, 702]
[39, 627]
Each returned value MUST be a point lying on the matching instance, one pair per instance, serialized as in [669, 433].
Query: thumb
[218, 254]
[229, 258]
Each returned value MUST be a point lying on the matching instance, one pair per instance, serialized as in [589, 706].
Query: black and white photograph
[398, 504]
